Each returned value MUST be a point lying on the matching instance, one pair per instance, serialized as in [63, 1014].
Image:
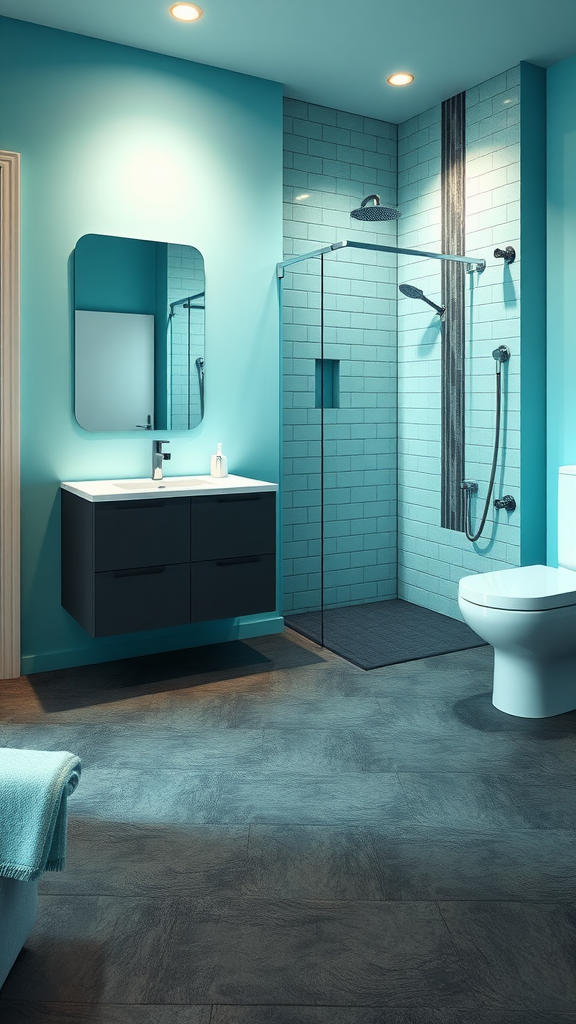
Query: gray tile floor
[266, 834]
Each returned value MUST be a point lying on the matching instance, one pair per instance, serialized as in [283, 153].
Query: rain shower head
[375, 212]
[416, 293]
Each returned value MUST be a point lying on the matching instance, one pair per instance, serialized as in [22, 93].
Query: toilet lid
[529, 588]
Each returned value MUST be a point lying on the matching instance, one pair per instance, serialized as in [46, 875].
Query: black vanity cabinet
[148, 563]
[233, 555]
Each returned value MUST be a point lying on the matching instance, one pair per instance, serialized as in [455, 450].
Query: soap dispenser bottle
[219, 464]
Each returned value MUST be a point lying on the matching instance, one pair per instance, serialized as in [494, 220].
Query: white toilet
[529, 617]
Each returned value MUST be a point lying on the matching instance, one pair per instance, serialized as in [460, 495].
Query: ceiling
[336, 53]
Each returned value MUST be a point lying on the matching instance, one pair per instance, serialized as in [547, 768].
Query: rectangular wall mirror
[139, 334]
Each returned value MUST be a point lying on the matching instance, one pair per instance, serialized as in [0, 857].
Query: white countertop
[132, 490]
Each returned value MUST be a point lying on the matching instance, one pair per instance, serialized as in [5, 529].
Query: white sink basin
[180, 483]
[130, 490]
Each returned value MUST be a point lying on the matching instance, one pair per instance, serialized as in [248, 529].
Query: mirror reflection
[139, 334]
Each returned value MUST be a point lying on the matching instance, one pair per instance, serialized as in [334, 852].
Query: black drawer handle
[240, 560]
[239, 497]
[146, 570]
[130, 506]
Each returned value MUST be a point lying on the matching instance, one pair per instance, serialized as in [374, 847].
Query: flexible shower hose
[467, 518]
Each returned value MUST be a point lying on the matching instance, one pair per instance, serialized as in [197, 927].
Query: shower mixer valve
[508, 254]
[507, 502]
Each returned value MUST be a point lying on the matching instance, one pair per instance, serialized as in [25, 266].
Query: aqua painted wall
[125, 142]
[532, 313]
[561, 308]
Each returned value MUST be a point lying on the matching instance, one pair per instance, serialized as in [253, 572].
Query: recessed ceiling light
[186, 12]
[401, 78]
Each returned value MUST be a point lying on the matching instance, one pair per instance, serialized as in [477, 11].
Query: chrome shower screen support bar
[472, 263]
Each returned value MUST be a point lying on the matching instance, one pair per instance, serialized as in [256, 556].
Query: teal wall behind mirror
[139, 334]
[122, 142]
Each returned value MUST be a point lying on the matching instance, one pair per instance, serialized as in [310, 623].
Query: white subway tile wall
[431, 560]
[332, 161]
[185, 340]
[382, 536]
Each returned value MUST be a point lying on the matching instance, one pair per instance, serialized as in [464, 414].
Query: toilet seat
[528, 588]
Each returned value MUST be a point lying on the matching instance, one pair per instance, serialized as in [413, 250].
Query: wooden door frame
[9, 415]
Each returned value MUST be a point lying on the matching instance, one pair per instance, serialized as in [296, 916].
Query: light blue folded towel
[34, 790]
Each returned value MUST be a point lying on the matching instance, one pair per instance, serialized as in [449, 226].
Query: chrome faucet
[158, 457]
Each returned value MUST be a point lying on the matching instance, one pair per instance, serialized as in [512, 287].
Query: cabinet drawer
[226, 525]
[226, 587]
[133, 599]
[129, 534]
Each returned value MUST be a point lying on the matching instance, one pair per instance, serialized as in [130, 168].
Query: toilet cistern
[158, 457]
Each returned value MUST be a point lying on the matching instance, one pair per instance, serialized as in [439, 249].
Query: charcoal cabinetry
[145, 564]
[233, 555]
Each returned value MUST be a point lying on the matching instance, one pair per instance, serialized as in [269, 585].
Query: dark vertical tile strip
[453, 182]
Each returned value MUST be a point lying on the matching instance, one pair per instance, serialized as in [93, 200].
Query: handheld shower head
[501, 355]
[416, 293]
[410, 291]
[375, 212]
